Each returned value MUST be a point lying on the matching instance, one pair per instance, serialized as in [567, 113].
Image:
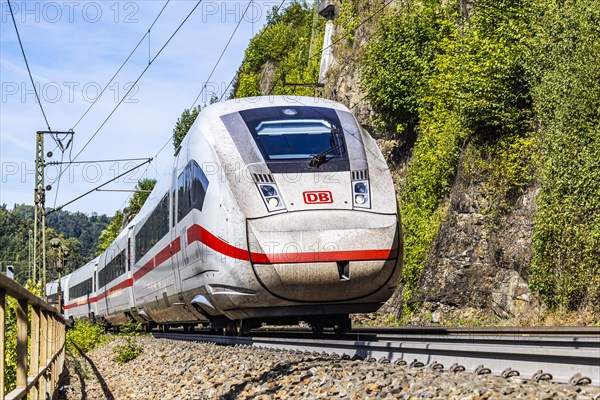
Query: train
[275, 210]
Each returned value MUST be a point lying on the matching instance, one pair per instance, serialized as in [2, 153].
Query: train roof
[246, 103]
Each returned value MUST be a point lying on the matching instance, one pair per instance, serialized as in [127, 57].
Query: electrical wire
[99, 96]
[258, 37]
[27, 64]
[137, 80]
[222, 53]
[98, 187]
[122, 65]
[99, 161]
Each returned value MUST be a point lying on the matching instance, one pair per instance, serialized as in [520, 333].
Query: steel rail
[524, 352]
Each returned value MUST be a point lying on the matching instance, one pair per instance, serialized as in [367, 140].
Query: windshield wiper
[319, 159]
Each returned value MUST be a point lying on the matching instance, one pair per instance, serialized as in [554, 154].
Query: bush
[127, 351]
[440, 85]
[564, 63]
[290, 44]
[85, 336]
[131, 328]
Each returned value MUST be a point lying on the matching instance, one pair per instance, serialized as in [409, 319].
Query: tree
[144, 187]
[139, 198]
[183, 124]
[110, 233]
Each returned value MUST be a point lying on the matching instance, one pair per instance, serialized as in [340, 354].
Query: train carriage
[52, 290]
[80, 299]
[277, 209]
[114, 282]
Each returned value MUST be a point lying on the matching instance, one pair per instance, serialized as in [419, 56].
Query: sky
[73, 49]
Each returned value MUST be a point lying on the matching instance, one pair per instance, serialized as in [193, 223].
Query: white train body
[80, 299]
[253, 224]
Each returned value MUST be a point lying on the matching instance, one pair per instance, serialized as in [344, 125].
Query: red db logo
[323, 197]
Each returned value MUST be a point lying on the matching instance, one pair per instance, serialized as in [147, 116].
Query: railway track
[566, 355]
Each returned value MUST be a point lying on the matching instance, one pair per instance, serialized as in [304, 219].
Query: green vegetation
[127, 351]
[85, 336]
[138, 199]
[289, 45]
[122, 218]
[10, 354]
[564, 65]
[130, 349]
[110, 233]
[506, 92]
[442, 84]
[75, 230]
[131, 328]
[183, 125]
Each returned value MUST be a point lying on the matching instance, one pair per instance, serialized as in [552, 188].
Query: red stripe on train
[81, 303]
[119, 286]
[321, 256]
[196, 233]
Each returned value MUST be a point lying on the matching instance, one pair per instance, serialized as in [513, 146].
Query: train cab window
[192, 184]
[293, 139]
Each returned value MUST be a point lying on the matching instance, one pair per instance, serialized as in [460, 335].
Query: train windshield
[299, 138]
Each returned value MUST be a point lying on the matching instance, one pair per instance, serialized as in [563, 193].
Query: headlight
[271, 196]
[273, 202]
[361, 194]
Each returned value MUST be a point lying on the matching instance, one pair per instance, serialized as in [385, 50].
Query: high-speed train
[276, 210]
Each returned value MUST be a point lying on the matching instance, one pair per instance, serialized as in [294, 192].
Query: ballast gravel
[169, 369]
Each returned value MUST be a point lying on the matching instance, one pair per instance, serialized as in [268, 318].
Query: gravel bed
[169, 369]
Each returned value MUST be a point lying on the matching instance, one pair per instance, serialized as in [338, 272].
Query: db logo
[318, 197]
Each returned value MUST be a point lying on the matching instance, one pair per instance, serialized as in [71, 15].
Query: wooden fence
[38, 378]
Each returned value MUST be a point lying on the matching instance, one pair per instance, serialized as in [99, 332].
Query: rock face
[477, 262]
[169, 369]
[474, 262]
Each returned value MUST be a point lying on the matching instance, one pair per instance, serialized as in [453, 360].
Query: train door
[129, 261]
[178, 242]
[95, 291]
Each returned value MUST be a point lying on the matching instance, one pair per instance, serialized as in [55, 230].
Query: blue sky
[73, 49]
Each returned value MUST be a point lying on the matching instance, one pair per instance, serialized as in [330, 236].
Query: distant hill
[79, 231]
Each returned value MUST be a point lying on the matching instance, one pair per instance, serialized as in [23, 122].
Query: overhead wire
[98, 187]
[99, 96]
[122, 65]
[27, 65]
[216, 65]
[136, 81]
[222, 53]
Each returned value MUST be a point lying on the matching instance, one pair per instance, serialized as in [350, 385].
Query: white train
[277, 209]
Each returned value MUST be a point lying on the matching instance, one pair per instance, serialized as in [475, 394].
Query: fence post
[43, 385]
[22, 343]
[39, 361]
[34, 353]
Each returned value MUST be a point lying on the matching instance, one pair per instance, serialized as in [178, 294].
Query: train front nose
[302, 256]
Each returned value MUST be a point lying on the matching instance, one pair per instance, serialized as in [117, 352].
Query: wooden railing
[46, 347]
